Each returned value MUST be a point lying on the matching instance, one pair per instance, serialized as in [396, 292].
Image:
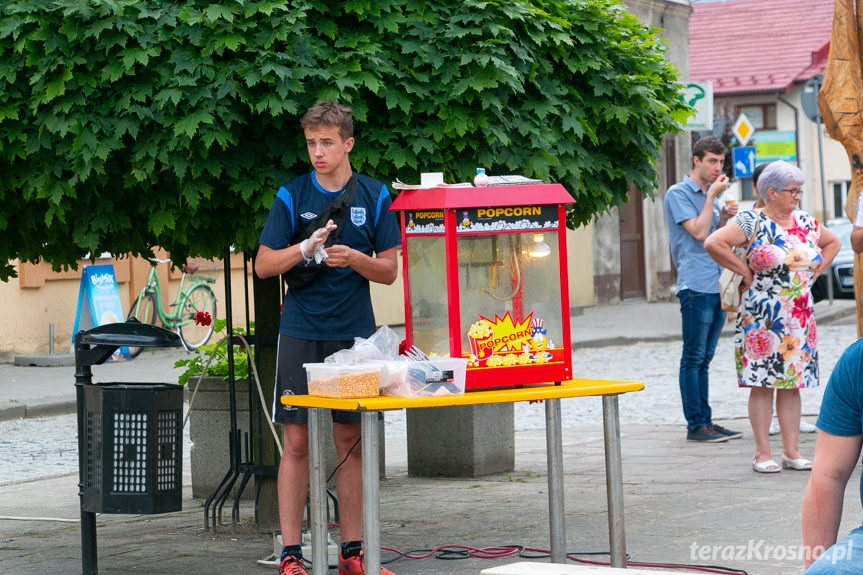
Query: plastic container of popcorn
[343, 381]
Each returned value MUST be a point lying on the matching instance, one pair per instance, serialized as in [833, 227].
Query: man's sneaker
[290, 565]
[705, 434]
[355, 566]
[727, 432]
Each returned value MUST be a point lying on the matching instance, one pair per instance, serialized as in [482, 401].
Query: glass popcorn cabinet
[485, 279]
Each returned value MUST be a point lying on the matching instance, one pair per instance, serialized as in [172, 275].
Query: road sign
[809, 98]
[772, 146]
[743, 129]
[699, 96]
[744, 161]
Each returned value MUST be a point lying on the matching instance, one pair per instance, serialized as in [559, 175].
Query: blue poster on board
[99, 302]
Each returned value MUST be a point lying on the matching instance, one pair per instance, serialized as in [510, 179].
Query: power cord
[255, 376]
[456, 552]
[345, 458]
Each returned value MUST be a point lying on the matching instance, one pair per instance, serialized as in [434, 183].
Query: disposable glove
[313, 246]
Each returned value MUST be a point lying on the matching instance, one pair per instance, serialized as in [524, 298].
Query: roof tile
[747, 46]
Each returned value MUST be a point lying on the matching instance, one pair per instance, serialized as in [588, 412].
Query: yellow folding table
[550, 393]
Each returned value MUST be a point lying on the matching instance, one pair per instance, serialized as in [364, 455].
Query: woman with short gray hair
[775, 342]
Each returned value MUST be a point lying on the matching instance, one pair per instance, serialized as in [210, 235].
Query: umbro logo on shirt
[308, 216]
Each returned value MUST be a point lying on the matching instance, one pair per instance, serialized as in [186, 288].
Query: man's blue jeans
[702, 323]
[843, 558]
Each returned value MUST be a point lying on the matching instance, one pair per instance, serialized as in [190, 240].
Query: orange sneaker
[355, 566]
[290, 565]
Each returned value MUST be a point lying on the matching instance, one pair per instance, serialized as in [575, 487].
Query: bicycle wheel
[144, 310]
[195, 334]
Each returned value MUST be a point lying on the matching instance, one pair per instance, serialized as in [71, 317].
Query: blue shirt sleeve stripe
[284, 195]
[381, 197]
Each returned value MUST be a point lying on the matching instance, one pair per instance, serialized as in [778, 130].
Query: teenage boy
[325, 316]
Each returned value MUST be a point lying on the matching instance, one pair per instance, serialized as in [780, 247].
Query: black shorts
[291, 377]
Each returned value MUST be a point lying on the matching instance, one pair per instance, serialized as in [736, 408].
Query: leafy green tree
[126, 124]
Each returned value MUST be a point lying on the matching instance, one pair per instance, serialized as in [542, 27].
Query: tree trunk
[267, 302]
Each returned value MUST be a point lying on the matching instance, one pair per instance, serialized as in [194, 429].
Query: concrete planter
[209, 431]
[209, 426]
[461, 441]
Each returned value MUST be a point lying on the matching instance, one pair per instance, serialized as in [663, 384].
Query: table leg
[554, 455]
[317, 492]
[371, 493]
[614, 480]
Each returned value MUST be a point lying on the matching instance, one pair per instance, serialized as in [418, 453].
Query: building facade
[763, 75]
[631, 256]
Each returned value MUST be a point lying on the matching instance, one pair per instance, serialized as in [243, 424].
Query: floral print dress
[775, 340]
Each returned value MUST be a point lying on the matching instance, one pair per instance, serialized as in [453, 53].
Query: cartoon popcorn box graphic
[481, 338]
[538, 333]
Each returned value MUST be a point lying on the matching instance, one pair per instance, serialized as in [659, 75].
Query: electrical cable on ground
[456, 552]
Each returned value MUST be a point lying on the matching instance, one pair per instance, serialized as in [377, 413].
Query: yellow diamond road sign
[743, 129]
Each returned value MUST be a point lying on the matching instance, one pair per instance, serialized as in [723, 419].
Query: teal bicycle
[192, 314]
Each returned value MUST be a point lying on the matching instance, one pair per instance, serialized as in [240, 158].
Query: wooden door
[632, 283]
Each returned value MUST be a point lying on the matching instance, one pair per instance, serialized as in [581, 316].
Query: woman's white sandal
[799, 464]
[768, 466]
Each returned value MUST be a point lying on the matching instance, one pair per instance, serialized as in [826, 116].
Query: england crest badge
[358, 216]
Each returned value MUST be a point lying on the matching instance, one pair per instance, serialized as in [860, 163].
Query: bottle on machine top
[480, 179]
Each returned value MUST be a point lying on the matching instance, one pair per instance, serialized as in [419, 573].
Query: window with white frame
[762, 116]
[840, 194]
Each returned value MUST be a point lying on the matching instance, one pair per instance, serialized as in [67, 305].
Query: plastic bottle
[480, 179]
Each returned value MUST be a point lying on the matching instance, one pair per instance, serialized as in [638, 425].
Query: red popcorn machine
[485, 279]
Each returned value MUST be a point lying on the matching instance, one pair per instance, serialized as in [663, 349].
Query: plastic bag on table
[382, 345]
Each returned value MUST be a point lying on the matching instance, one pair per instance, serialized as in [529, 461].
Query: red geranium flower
[203, 318]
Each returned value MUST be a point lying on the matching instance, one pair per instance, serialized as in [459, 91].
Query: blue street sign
[744, 161]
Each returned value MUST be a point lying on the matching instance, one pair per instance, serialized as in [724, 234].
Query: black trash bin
[130, 451]
[134, 449]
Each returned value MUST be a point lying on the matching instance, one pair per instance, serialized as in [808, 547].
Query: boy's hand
[313, 246]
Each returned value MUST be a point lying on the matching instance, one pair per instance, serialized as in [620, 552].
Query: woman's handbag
[729, 281]
[729, 290]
